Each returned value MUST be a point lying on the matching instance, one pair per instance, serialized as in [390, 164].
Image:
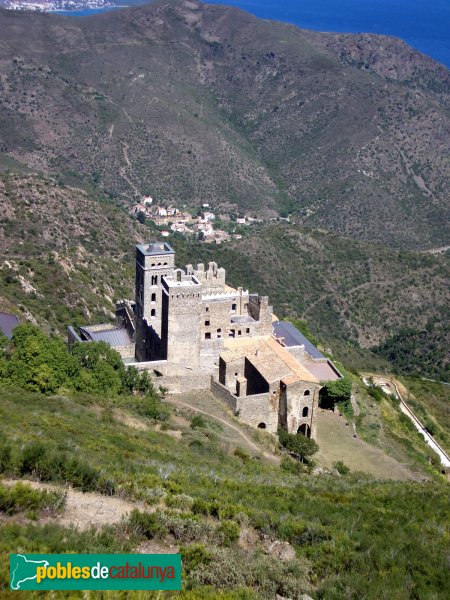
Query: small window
[231, 333]
[236, 374]
[153, 313]
[178, 275]
[153, 297]
[247, 330]
[307, 393]
[207, 336]
[154, 279]
[305, 412]
[219, 330]
[233, 307]
[239, 332]
[262, 426]
[207, 309]
[207, 323]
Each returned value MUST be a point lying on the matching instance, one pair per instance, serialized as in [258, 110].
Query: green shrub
[341, 468]
[194, 555]
[299, 445]
[242, 454]
[198, 421]
[21, 498]
[229, 531]
[152, 408]
[146, 524]
[290, 465]
[180, 501]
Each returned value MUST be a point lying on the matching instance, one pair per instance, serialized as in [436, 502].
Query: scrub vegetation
[204, 497]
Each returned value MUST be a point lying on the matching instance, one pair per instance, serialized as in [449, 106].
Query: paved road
[429, 439]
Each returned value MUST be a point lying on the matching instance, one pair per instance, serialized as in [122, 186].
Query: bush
[52, 465]
[194, 555]
[341, 468]
[337, 392]
[297, 444]
[152, 408]
[242, 454]
[146, 524]
[291, 466]
[198, 421]
[180, 501]
[21, 498]
[229, 531]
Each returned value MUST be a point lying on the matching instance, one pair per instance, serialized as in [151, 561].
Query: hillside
[192, 102]
[64, 256]
[348, 292]
[67, 257]
[246, 528]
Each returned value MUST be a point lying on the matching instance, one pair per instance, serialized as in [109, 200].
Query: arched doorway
[304, 430]
[262, 426]
[324, 400]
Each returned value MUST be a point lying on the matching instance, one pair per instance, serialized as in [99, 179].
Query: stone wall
[257, 410]
[224, 394]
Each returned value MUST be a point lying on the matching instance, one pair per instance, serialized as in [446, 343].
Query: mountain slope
[192, 102]
[67, 257]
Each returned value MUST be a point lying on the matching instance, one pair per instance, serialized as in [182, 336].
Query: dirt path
[85, 510]
[249, 443]
[440, 250]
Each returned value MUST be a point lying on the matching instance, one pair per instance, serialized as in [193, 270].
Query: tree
[337, 392]
[141, 217]
[299, 445]
[38, 362]
[102, 369]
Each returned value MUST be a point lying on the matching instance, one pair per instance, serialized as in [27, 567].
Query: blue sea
[424, 24]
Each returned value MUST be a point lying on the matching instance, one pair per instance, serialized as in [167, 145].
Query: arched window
[304, 430]
[305, 412]
[153, 312]
[153, 297]
[178, 275]
[307, 393]
[262, 426]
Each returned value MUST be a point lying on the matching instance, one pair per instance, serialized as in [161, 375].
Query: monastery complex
[195, 332]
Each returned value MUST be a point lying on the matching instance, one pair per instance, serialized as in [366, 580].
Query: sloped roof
[111, 334]
[270, 358]
[290, 336]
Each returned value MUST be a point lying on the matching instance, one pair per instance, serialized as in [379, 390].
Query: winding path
[271, 457]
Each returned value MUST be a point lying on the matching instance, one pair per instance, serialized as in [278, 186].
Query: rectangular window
[233, 307]
[207, 336]
[207, 323]
[247, 330]
[207, 309]
[154, 279]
